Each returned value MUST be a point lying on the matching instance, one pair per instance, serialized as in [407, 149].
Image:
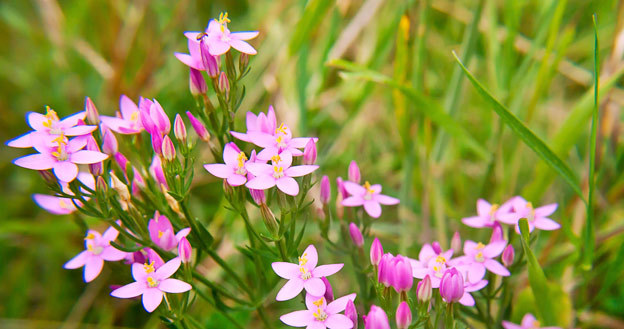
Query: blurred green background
[535, 56]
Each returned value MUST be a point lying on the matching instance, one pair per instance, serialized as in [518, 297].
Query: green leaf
[537, 279]
[527, 136]
[424, 104]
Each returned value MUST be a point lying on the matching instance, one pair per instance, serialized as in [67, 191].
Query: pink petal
[326, 270]
[316, 325]
[236, 180]
[546, 224]
[387, 200]
[285, 270]
[298, 318]
[376, 188]
[54, 204]
[470, 247]
[79, 130]
[182, 233]
[78, 261]
[426, 252]
[37, 161]
[311, 255]
[111, 254]
[138, 272]
[244, 35]
[310, 300]
[474, 221]
[509, 325]
[287, 185]
[65, 171]
[261, 183]
[168, 268]
[476, 286]
[268, 152]
[36, 120]
[546, 210]
[339, 305]
[21, 141]
[372, 208]
[483, 207]
[467, 299]
[114, 123]
[259, 169]
[219, 170]
[87, 157]
[189, 61]
[496, 267]
[241, 46]
[528, 320]
[314, 286]
[127, 107]
[218, 47]
[73, 119]
[290, 290]
[130, 290]
[152, 297]
[353, 201]
[298, 171]
[338, 321]
[174, 286]
[354, 189]
[494, 249]
[419, 273]
[240, 136]
[476, 272]
[299, 142]
[230, 154]
[93, 267]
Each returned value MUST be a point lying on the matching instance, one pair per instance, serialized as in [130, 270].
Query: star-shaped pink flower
[537, 217]
[220, 38]
[368, 196]
[479, 257]
[128, 119]
[261, 123]
[98, 250]
[488, 214]
[279, 173]
[235, 168]
[321, 315]
[434, 266]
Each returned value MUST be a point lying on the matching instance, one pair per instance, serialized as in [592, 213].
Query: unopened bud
[309, 153]
[258, 196]
[325, 190]
[269, 219]
[157, 142]
[376, 252]
[121, 189]
[456, 242]
[508, 255]
[168, 149]
[243, 61]
[210, 63]
[354, 172]
[109, 142]
[403, 316]
[199, 128]
[184, 250]
[100, 185]
[179, 129]
[224, 85]
[94, 168]
[48, 177]
[329, 291]
[356, 235]
[339, 206]
[436, 247]
[424, 290]
[197, 84]
[93, 117]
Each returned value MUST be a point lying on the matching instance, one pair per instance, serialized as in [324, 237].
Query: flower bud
[93, 117]
[452, 286]
[354, 172]
[179, 129]
[199, 128]
[184, 250]
[121, 189]
[456, 242]
[376, 319]
[197, 84]
[168, 149]
[329, 292]
[351, 313]
[268, 218]
[210, 62]
[508, 255]
[497, 232]
[403, 316]
[224, 85]
[109, 142]
[339, 206]
[48, 177]
[424, 290]
[157, 142]
[121, 160]
[356, 235]
[341, 189]
[376, 252]
[100, 185]
[309, 153]
[146, 119]
[95, 168]
[385, 275]
[258, 196]
[436, 247]
[243, 61]
[160, 118]
[325, 190]
[402, 279]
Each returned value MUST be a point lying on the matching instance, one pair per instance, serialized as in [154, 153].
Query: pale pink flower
[369, 196]
[431, 264]
[321, 315]
[98, 250]
[128, 119]
[488, 214]
[235, 168]
[162, 233]
[479, 257]
[537, 217]
[279, 173]
[278, 142]
[220, 39]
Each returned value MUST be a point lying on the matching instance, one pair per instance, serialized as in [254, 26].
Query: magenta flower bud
[184, 250]
[94, 168]
[197, 84]
[258, 196]
[161, 232]
[146, 119]
[109, 142]
[403, 316]
[93, 117]
[341, 189]
[224, 85]
[436, 247]
[385, 275]
[309, 153]
[508, 255]
[160, 118]
[354, 172]
[325, 190]
[351, 313]
[402, 279]
[452, 286]
[356, 235]
[153, 258]
[199, 128]
[376, 252]
[456, 242]
[424, 290]
[376, 319]
[179, 129]
[211, 64]
[329, 292]
[168, 149]
[121, 160]
[497, 233]
[157, 142]
[136, 257]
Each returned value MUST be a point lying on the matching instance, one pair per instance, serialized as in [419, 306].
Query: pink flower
[98, 250]
[431, 264]
[220, 39]
[49, 127]
[262, 123]
[278, 143]
[128, 119]
[194, 58]
[161, 232]
[488, 214]
[376, 319]
[305, 274]
[62, 159]
[537, 217]
[279, 173]
[528, 322]
[54, 204]
[154, 118]
[321, 315]
[368, 196]
[152, 283]
[235, 168]
[479, 257]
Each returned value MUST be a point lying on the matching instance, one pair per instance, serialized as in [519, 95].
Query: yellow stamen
[160, 234]
[90, 236]
[241, 159]
[281, 129]
[368, 188]
[493, 209]
[303, 259]
[134, 116]
[441, 259]
[149, 268]
[318, 302]
[276, 158]
[480, 246]
[223, 20]
[51, 116]
[479, 257]
[151, 282]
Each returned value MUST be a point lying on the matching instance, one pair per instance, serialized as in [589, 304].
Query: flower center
[149, 267]
[52, 117]
[441, 259]
[134, 117]
[305, 274]
[61, 152]
[531, 215]
[440, 266]
[320, 314]
[479, 257]
[493, 212]
[96, 250]
[223, 20]
[278, 171]
[240, 166]
[281, 129]
[151, 282]
[369, 191]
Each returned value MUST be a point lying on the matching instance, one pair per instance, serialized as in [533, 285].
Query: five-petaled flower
[537, 217]
[235, 168]
[321, 315]
[279, 173]
[488, 214]
[479, 257]
[220, 39]
[368, 196]
[128, 119]
[98, 250]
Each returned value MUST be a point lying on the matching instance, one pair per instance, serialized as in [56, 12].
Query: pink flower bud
[341, 189]
[95, 168]
[497, 232]
[436, 247]
[168, 149]
[376, 319]
[197, 84]
[179, 129]
[385, 275]
[456, 242]
[93, 117]
[121, 160]
[157, 172]
[329, 292]
[109, 142]
[325, 190]
[199, 128]
[452, 286]
[508, 255]
[224, 85]
[160, 118]
[424, 290]
[309, 153]
[210, 62]
[402, 279]
[356, 235]
[154, 258]
[100, 185]
[403, 316]
[376, 252]
[354, 172]
[157, 142]
[258, 196]
[351, 313]
[146, 119]
[161, 232]
[184, 250]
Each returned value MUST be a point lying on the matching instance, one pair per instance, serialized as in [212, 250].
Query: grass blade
[527, 136]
